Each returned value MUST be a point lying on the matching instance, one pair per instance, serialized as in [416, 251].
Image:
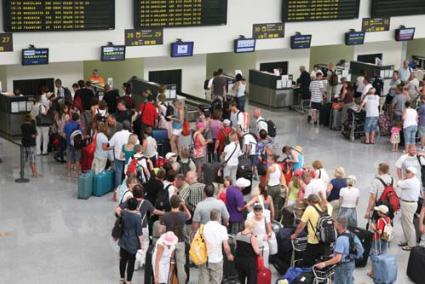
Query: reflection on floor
[54, 237]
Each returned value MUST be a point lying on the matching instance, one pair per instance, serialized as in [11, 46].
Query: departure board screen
[112, 53]
[392, 8]
[319, 10]
[179, 13]
[300, 41]
[58, 15]
[35, 56]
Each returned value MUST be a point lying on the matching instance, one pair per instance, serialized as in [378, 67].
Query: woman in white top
[161, 258]
[150, 147]
[371, 105]
[410, 125]
[349, 199]
[42, 138]
[231, 154]
[320, 171]
[276, 184]
[239, 88]
[263, 229]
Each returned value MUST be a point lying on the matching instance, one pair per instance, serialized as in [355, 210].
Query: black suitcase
[230, 273]
[416, 264]
[416, 224]
[366, 238]
[325, 114]
[245, 171]
[304, 278]
[209, 173]
[149, 279]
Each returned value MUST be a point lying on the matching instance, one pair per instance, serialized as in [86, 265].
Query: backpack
[163, 199]
[198, 248]
[333, 80]
[226, 137]
[389, 196]
[356, 248]
[387, 233]
[422, 170]
[169, 112]
[206, 83]
[325, 228]
[185, 167]
[133, 167]
[77, 139]
[271, 128]
[67, 95]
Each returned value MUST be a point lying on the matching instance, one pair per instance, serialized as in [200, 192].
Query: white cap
[413, 170]
[170, 155]
[243, 182]
[382, 208]
[226, 122]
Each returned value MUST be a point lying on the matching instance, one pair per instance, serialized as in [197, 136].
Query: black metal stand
[22, 178]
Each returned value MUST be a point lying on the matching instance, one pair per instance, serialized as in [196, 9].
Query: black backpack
[206, 83]
[169, 112]
[271, 128]
[185, 167]
[333, 80]
[325, 228]
[67, 95]
[163, 199]
[77, 139]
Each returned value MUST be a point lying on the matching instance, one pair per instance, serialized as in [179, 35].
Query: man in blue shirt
[345, 263]
[73, 155]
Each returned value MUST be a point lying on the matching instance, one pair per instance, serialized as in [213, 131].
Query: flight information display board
[6, 42]
[268, 31]
[58, 15]
[179, 13]
[153, 36]
[392, 8]
[370, 25]
[319, 10]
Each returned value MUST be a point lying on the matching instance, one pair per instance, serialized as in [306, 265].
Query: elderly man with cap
[410, 188]
[235, 205]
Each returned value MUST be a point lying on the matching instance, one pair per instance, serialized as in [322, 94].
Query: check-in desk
[12, 113]
[265, 89]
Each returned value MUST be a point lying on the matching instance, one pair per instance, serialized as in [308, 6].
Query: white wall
[392, 52]
[193, 71]
[295, 58]
[77, 46]
[69, 72]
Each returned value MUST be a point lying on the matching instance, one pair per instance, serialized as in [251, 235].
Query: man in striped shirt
[317, 91]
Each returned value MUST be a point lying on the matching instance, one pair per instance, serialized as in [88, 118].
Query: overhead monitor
[354, 38]
[112, 53]
[404, 34]
[393, 8]
[243, 45]
[314, 10]
[182, 49]
[58, 15]
[300, 41]
[35, 56]
[179, 13]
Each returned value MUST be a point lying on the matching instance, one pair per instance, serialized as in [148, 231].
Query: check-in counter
[12, 113]
[267, 89]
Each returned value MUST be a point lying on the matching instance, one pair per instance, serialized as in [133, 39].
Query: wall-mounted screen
[179, 13]
[319, 10]
[300, 41]
[371, 25]
[35, 56]
[58, 15]
[182, 49]
[243, 45]
[393, 8]
[354, 38]
[405, 34]
[112, 53]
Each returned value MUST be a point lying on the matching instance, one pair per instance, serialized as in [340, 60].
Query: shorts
[177, 132]
[316, 106]
[199, 162]
[73, 155]
[421, 131]
[30, 154]
[371, 124]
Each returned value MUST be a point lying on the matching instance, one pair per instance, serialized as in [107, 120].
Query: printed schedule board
[375, 25]
[58, 15]
[179, 13]
[319, 10]
[268, 31]
[392, 8]
[153, 36]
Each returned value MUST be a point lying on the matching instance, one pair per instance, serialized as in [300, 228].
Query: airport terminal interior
[193, 141]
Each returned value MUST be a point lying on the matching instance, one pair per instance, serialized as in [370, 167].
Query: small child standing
[29, 133]
[395, 136]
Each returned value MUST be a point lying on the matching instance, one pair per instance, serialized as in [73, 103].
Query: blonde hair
[351, 180]
[339, 172]
[249, 224]
[132, 139]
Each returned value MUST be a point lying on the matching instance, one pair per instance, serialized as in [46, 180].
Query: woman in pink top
[215, 125]
[200, 146]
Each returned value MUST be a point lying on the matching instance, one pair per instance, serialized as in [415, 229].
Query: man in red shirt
[222, 138]
[147, 110]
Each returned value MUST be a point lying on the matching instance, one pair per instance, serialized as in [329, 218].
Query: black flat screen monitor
[354, 38]
[112, 53]
[182, 49]
[35, 56]
[405, 34]
[244, 45]
[300, 41]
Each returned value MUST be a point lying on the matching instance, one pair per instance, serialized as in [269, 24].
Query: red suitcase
[264, 275]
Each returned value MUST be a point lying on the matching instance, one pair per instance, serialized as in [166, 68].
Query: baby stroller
[353, 127]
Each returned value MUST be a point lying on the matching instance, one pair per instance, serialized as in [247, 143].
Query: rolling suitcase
[85, 185]
[161, 137]
[209, 172]
[264, 275]
[149, 279]
[160, 134]
[304, 278]
[416, 264]
[365, 238]
[384, 269]
[230, 273]
[325, 114]
[245, 171]
[103, 183]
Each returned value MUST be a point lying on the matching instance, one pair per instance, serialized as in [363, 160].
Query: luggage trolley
[324, 276]
[299, 245]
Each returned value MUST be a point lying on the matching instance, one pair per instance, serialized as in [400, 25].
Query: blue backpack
[356, 247]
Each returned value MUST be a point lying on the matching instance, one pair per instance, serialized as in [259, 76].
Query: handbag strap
[234, 150]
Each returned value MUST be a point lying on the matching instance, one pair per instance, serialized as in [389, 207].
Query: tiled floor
[54, 237]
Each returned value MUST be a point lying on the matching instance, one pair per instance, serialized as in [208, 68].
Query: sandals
[402, 244]
[406, 248]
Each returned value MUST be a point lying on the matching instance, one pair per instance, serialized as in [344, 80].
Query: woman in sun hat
[161, 258]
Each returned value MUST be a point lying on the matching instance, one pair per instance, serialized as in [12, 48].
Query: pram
[353, 127]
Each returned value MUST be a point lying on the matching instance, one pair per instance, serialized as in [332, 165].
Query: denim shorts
[410, 135]
[371, 124]
[421, 130]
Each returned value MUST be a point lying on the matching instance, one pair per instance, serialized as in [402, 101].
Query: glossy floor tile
[56, 238]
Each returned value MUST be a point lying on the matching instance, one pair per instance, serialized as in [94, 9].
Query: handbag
[186, 128]
[43, 119]
[273, 244]
[117, 230]
[337, 106]
[223, 165]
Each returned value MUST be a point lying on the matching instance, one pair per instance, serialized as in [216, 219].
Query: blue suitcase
[384, 269]
[85, 185]
[103, 183]
[160, 134]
